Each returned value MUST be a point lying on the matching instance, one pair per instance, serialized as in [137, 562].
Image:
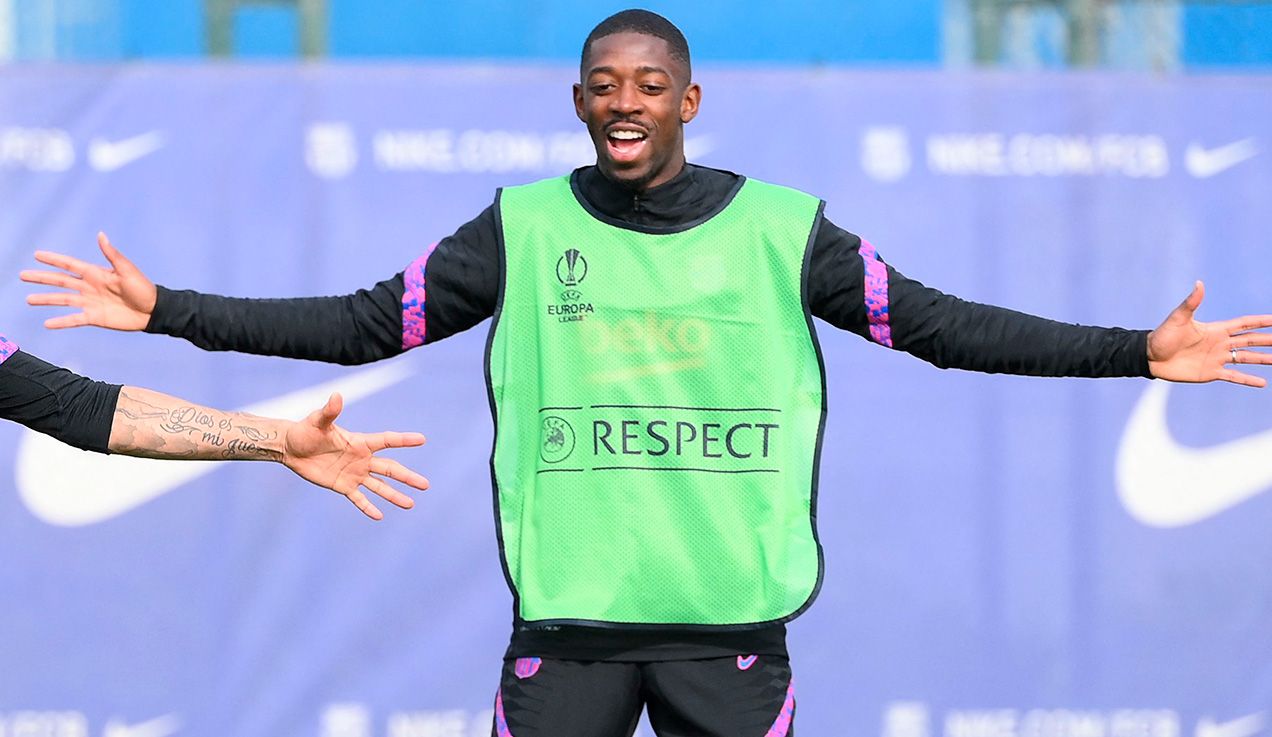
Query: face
[635, 99]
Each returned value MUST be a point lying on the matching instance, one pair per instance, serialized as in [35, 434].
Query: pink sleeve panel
[876, 289]
[414, 325]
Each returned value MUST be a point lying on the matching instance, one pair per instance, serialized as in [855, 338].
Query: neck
[641, 186]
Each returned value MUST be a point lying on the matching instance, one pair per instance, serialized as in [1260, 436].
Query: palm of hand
[1183, 349]
[330, 457]
[1192, 352]
[327, 455]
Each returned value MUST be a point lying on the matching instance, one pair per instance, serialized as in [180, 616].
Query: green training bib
[658, 403]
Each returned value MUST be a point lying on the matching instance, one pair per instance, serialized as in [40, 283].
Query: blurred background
[1005, 556]
[1155, 35]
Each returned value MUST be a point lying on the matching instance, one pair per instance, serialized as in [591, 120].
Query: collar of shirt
[691, 195]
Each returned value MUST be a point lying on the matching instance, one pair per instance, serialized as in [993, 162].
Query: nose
[627, 101]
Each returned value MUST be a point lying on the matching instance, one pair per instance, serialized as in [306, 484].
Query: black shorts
[742, 696]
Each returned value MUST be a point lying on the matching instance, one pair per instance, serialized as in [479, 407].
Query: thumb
[328, 414]
[1193, 300]
[112, 254]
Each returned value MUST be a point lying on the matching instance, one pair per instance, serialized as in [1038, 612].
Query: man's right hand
[120, 298]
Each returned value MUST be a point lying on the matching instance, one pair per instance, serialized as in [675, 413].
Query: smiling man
[658, 394]
[635, 95]
[129, 420]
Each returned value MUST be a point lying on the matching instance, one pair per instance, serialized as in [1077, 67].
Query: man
[107, 418]
[657, 393]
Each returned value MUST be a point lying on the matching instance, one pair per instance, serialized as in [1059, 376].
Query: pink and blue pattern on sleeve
[413, 294]
[876, 295]
[7, 348]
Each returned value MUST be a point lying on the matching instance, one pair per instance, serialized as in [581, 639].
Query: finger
[77, 320]
[1246, 322]
[1233, 376]
[1247, 340]
[364, 505]
[66, 263]
[56, 299]
[51, 278]
[396, 471]
[381, 440]
[388, 493]
[1253, 357]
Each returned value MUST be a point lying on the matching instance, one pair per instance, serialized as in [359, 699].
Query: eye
[601, 88]
[653, 89]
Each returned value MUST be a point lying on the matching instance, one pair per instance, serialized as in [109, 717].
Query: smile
[625, 144]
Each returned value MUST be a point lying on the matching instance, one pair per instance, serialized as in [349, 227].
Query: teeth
[626, 135]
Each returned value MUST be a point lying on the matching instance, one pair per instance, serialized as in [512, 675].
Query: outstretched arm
[101, 417]
[353, 329]
[851, 287]
[393, 316]
[154, 425]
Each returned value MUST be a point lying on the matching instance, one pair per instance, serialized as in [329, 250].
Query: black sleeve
[56, 402]
[447, 290]
[949, 332]
[463, 278]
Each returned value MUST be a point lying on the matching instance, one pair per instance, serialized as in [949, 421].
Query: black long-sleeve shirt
[455, 285]
[55, 401]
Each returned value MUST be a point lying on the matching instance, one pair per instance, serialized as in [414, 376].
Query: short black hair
[641, 21]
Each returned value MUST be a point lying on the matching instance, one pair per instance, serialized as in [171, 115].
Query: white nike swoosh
[106, 155]
[158, 727]
[1242, 727]
[65, 486]
[1203, 162]
[1164, 484]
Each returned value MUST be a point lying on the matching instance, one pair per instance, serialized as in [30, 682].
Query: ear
[689, 103]
[578, 102]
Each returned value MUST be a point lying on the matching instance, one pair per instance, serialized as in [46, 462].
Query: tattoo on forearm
[144, 428]
[246, 449]
[142, 411]
[187, 419]
[252, 433]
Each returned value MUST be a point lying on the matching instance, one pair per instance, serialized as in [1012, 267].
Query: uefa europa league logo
[571, 268]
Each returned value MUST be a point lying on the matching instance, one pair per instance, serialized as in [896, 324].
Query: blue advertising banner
[1005, 556]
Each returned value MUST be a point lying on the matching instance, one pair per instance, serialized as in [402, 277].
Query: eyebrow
[639, 70]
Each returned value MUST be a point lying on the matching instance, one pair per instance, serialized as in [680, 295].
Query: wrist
[259, 439]
[162, 296]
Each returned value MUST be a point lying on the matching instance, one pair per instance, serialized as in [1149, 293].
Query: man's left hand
[1182, 349]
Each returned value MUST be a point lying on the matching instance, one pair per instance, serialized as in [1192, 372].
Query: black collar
[692, 196]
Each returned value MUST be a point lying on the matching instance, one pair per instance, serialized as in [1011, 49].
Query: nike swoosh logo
[1242, 727]
[106, 155]
[68, 487]
[1203, 163]
[1164, 484]
[158, 727]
